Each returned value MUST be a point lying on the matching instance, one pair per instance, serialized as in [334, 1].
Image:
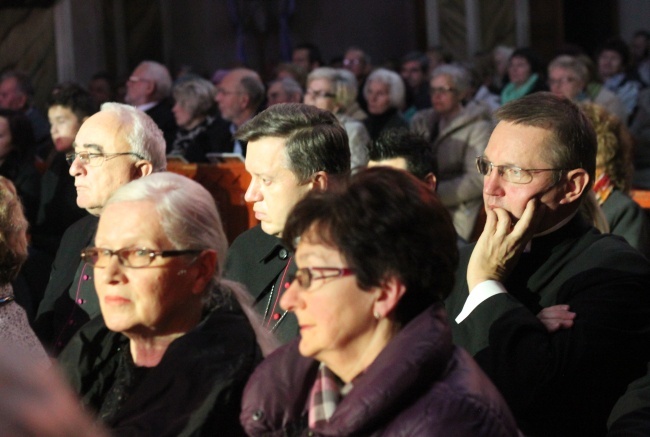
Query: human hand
[556, 317]
[501, 243]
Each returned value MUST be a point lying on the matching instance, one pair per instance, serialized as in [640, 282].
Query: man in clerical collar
[555, 313]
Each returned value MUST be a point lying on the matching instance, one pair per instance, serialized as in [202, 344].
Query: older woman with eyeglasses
[569, 77]
[173, 349]
[201, 129]
[385, 94]
[335, 91]
[375, 355]
[458, 134]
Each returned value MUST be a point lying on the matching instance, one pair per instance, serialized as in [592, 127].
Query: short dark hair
[22, 134]
[619, 46]
[402, 143]
[314, 52]
[315, 140]
[532, 57]
[385, 223]
[420, 57]
[75, 98]
[574, 144]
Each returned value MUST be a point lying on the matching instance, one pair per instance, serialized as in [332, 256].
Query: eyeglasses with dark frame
[130, 257]
[306, 275]
[510, 173]
[96, 159]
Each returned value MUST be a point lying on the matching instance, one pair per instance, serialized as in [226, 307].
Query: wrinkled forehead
[521, 145]
[103, 132]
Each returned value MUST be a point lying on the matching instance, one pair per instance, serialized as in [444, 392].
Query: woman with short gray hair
[200, 128]
[458, 134]
[385, 93]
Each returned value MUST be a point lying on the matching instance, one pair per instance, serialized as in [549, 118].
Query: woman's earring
[376, 314]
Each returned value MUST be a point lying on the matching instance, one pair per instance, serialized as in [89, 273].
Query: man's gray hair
[141, 133]
[290, 86]
[159, 74]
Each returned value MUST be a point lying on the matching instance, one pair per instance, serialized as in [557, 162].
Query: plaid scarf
[325, 395]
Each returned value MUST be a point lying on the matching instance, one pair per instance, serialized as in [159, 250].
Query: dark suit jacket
[65, 308]
[164, 118]
[58, 208]
[567, 382]
[260, 262]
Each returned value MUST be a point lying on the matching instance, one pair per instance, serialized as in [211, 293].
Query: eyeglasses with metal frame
[136, 258]
[306, 275]
[510, 173]
[96, 159]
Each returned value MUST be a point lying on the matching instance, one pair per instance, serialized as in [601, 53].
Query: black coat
[162, 114]
[70, 299]
[194, 390]
[564, 383]
[260, 262]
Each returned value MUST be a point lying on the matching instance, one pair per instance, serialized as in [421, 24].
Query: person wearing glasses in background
[173, 347]
[458, 133]
[114, 146]
[556, 314]
[375, 355]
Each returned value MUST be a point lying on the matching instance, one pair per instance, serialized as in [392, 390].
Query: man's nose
[492, 183]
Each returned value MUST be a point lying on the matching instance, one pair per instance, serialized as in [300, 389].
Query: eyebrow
[95, 147]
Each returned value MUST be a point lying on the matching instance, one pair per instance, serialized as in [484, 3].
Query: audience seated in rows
[112, 147]
[17, 94]
[17, 159]
[292, 149]
[149, 89]
[568, 76]
[613, 58]
[239, 95]
[15, 332]
[375, 263]
[458, 134]
[525, 75]
[535, 253]
[200, 128]
[330, 89]
[414, 69]
[172, 349]
[285, 90]
[384, 92]
[69, 106]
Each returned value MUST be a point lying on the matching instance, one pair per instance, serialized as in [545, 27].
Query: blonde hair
[614, 146]
[13, 226]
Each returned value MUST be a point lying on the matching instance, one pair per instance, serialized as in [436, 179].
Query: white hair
[459, 76]
[190, 219]
[395, 85]
[159, 74]
[141, 133]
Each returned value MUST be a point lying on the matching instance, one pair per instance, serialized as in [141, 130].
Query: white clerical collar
[146, 106]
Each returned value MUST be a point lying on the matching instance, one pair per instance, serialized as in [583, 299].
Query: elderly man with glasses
[556, 314]
[113, 147]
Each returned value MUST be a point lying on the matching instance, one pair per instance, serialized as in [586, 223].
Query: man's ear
[575, 184]
[319, 181]
[142, 168]
[203, 270]
[388, 295]
[431, 181]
